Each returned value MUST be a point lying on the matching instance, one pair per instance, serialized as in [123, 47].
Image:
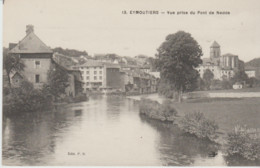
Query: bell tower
[214, 50]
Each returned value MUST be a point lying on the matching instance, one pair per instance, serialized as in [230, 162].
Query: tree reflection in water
[31, 137]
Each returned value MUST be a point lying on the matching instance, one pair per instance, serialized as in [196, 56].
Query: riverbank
[226, 112]
[154, 96]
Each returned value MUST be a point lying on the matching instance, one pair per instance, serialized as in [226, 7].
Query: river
[103, 131]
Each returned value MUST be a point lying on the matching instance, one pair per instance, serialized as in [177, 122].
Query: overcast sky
[98, 26]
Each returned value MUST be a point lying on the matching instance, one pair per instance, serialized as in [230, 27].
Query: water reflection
[104, 131]
[177, 148]
[31, 138]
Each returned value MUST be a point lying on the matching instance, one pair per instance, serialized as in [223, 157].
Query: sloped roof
[229, 55]
[206, 61]
[15, 73]
[215, 44]
[248, 68]
[31, 44]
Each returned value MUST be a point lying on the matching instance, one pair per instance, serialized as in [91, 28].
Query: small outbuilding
[238, 85]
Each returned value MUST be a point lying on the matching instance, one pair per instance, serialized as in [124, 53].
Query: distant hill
[70, 52]
[253, 63]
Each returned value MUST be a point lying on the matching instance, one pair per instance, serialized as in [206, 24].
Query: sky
[98, 26]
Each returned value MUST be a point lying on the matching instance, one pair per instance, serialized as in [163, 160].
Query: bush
[245, 142]
[226, 84]
[196, 123]
[155, 110]
[80, 97]
[26, 99]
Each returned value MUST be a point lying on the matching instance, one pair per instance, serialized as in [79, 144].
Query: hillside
[253, 63]
[70, 52]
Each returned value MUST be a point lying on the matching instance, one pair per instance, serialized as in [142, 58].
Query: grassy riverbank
[231, 122]
[227, 112]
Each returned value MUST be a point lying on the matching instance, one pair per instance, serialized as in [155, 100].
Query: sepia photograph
[130, 83]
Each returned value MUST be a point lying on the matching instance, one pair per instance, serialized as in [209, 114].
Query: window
[94, 67]
[100, 77]
[37, 78]
[87, 83]
[37, 64]
[100, 72]
[87, 72]
[87, 78]
[95, 72]
[95, 78]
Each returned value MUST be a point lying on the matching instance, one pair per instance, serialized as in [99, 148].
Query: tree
[200, 84]
[11, 63]
[240, 76]
[177, 58]
[252, 81]
[208, 76]
[152, 63]
[226, 84]
[58, 81]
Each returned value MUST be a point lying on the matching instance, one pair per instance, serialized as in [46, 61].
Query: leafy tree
[70, 52]
[11, 63]
[58, 81]
[26, 99]
[240, 76]
[226, 84]
[252, 82]
[152, 63]
[177, 58]
[166, 89]
[200, 84]
[208, 76]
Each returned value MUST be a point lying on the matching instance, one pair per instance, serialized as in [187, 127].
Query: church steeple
[214, 50]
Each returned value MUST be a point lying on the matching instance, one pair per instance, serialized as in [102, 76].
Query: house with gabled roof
[35, 55]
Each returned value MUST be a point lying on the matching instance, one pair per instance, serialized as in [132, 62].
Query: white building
[99, 75]
[216, 70]
[223, 67]
[250, 71]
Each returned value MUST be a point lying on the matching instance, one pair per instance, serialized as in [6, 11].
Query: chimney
[29, 29]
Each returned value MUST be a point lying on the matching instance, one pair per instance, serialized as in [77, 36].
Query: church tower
[214, 50]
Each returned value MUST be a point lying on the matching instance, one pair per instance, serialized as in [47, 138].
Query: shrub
[196, 123]
[80, 97]
[245, 142]
[26, 99]
[167, 109]
[155, 110]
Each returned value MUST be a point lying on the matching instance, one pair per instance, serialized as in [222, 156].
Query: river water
[103, 131]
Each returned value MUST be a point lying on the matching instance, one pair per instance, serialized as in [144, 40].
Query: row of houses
[39, 59]
[104, 76]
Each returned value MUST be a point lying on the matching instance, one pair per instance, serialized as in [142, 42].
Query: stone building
[229, 61]
[223, 67]
[38, 60]
[36, 57]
